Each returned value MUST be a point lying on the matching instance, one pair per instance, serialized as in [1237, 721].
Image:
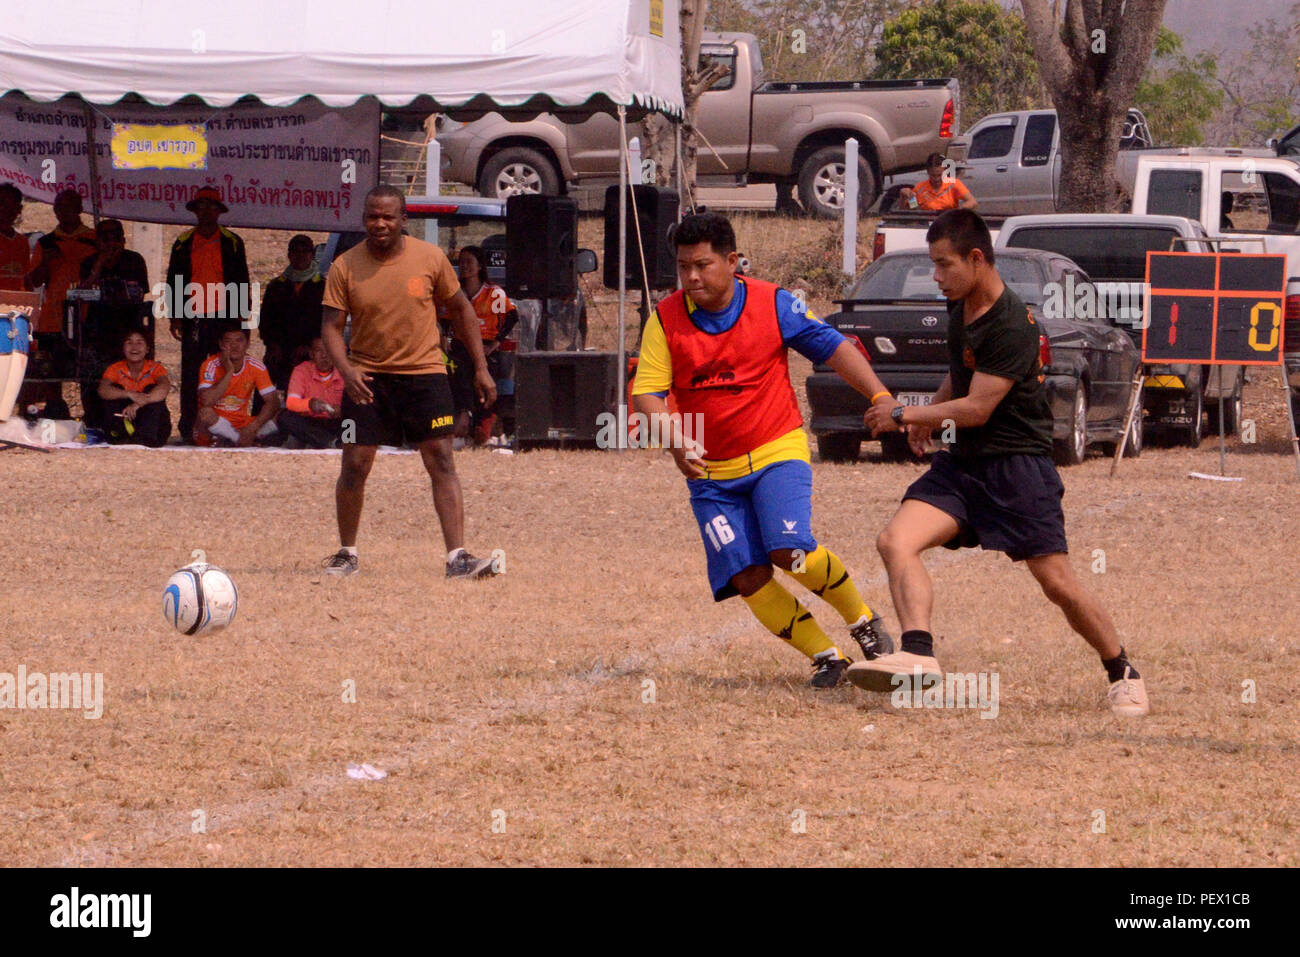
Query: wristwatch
[897, 414]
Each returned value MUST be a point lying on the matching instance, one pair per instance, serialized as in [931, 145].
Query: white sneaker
[881, 674]
[1128, 696]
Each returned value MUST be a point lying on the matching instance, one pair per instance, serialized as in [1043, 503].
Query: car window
[992, 141]
[1104, 252]
[1174, 192]
[912, 278]
[1037, 147]
[726, 58]
[1283, 203]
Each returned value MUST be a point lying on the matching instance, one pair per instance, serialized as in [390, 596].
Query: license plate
[914, 398]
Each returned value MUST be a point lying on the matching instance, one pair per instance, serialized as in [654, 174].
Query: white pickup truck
[1244, 202]
[1247, 204]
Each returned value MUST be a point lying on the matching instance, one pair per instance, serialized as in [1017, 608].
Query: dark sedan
[896, 315]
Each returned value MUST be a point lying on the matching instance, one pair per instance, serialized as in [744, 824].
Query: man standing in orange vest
[212, 258]
[56, 265]
[719, 347]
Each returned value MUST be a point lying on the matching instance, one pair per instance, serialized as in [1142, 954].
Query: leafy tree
[1179, 93]
[984, 46]
[1261, 85]
[809, 39]
[1092, 62]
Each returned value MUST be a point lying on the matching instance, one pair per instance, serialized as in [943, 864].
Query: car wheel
[1136, 433]
[518, 171]
[1074, 447]
[1231, 414]
[821, 183]
[839, 447]
[894, 448]
[1190, 435]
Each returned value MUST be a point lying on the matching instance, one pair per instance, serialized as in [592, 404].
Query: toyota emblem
[930, 321]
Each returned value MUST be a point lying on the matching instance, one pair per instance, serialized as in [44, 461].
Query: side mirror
[585, 261]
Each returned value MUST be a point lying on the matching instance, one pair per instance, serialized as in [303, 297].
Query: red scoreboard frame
[1214, 308]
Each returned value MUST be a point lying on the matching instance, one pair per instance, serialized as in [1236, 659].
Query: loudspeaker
[656, 207]
[559, 396]
[541, 244]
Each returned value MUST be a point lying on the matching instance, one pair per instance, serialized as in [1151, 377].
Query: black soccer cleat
[466, 565]
[872, 638]
[340, 564]
[828, 669]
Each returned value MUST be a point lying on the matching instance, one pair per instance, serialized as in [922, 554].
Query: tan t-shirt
[393, 304]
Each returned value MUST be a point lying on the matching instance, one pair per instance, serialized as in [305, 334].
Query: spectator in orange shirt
[227, 384]
[56, 265]
[212, 257]
[312, 413]
[497, 317]
[15, 251]
[134, 393]
[938, 192]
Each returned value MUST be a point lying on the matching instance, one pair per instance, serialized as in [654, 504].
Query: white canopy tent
[552, 55]
[516, 57]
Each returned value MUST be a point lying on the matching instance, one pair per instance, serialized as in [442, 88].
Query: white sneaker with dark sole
[341, 564]
[466, 565]
[1128, 696]
[891, 672]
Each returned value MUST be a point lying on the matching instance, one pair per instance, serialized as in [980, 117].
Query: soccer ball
[199, 598]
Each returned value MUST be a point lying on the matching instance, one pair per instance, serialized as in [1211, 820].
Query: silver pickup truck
[752, 131]
[1011, 162]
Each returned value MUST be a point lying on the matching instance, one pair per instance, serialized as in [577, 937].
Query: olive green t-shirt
[1003, 342]
[393, 303]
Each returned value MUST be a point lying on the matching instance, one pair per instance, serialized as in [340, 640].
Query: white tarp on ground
[502, 52]
[272, 165]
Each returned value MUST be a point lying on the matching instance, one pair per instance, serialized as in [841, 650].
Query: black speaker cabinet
[559, 397]
[656, 206]
[541, 244]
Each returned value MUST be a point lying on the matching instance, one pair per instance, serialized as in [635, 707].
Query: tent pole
[622, 278]
[90, 160]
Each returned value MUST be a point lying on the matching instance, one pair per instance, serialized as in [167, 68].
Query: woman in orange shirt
[135, 396]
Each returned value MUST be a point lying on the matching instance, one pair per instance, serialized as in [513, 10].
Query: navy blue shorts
[743, 520]
[1004, 503]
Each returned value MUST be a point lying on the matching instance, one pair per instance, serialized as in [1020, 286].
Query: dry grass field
[594, 706]
[525, 701]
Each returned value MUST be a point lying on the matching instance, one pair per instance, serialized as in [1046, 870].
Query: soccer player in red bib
[718, 346]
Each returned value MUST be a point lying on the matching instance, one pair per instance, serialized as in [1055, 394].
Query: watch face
[897, 414]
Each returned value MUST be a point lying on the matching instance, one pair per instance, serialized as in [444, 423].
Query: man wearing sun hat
[212, 257]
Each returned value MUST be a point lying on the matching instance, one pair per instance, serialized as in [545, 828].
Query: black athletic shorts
[1004, 503]
[463, 392]
[407, 408]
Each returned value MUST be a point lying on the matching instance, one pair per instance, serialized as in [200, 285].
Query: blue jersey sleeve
[804, 332]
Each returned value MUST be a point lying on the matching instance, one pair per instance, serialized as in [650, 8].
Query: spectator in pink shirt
[311, 414]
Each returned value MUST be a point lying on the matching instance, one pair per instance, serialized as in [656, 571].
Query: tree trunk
[1092, 62]
[694, 83]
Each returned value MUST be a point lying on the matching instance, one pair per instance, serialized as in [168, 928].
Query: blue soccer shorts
[743, 520]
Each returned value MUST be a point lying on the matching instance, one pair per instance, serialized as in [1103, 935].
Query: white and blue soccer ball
[200, 598]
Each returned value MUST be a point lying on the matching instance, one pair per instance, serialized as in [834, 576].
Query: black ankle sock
[1116, 666]
[918, 643]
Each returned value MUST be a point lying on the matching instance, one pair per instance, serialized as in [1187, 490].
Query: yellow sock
[825, 576]
[786, 617]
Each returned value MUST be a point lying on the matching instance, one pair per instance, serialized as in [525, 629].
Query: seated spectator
[497, 317]
[227, 384]
[312, 413]
[291, 311]
[134, 396]
[938, 193]
[122, 279]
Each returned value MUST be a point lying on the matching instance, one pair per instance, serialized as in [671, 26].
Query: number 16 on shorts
[718, 532]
